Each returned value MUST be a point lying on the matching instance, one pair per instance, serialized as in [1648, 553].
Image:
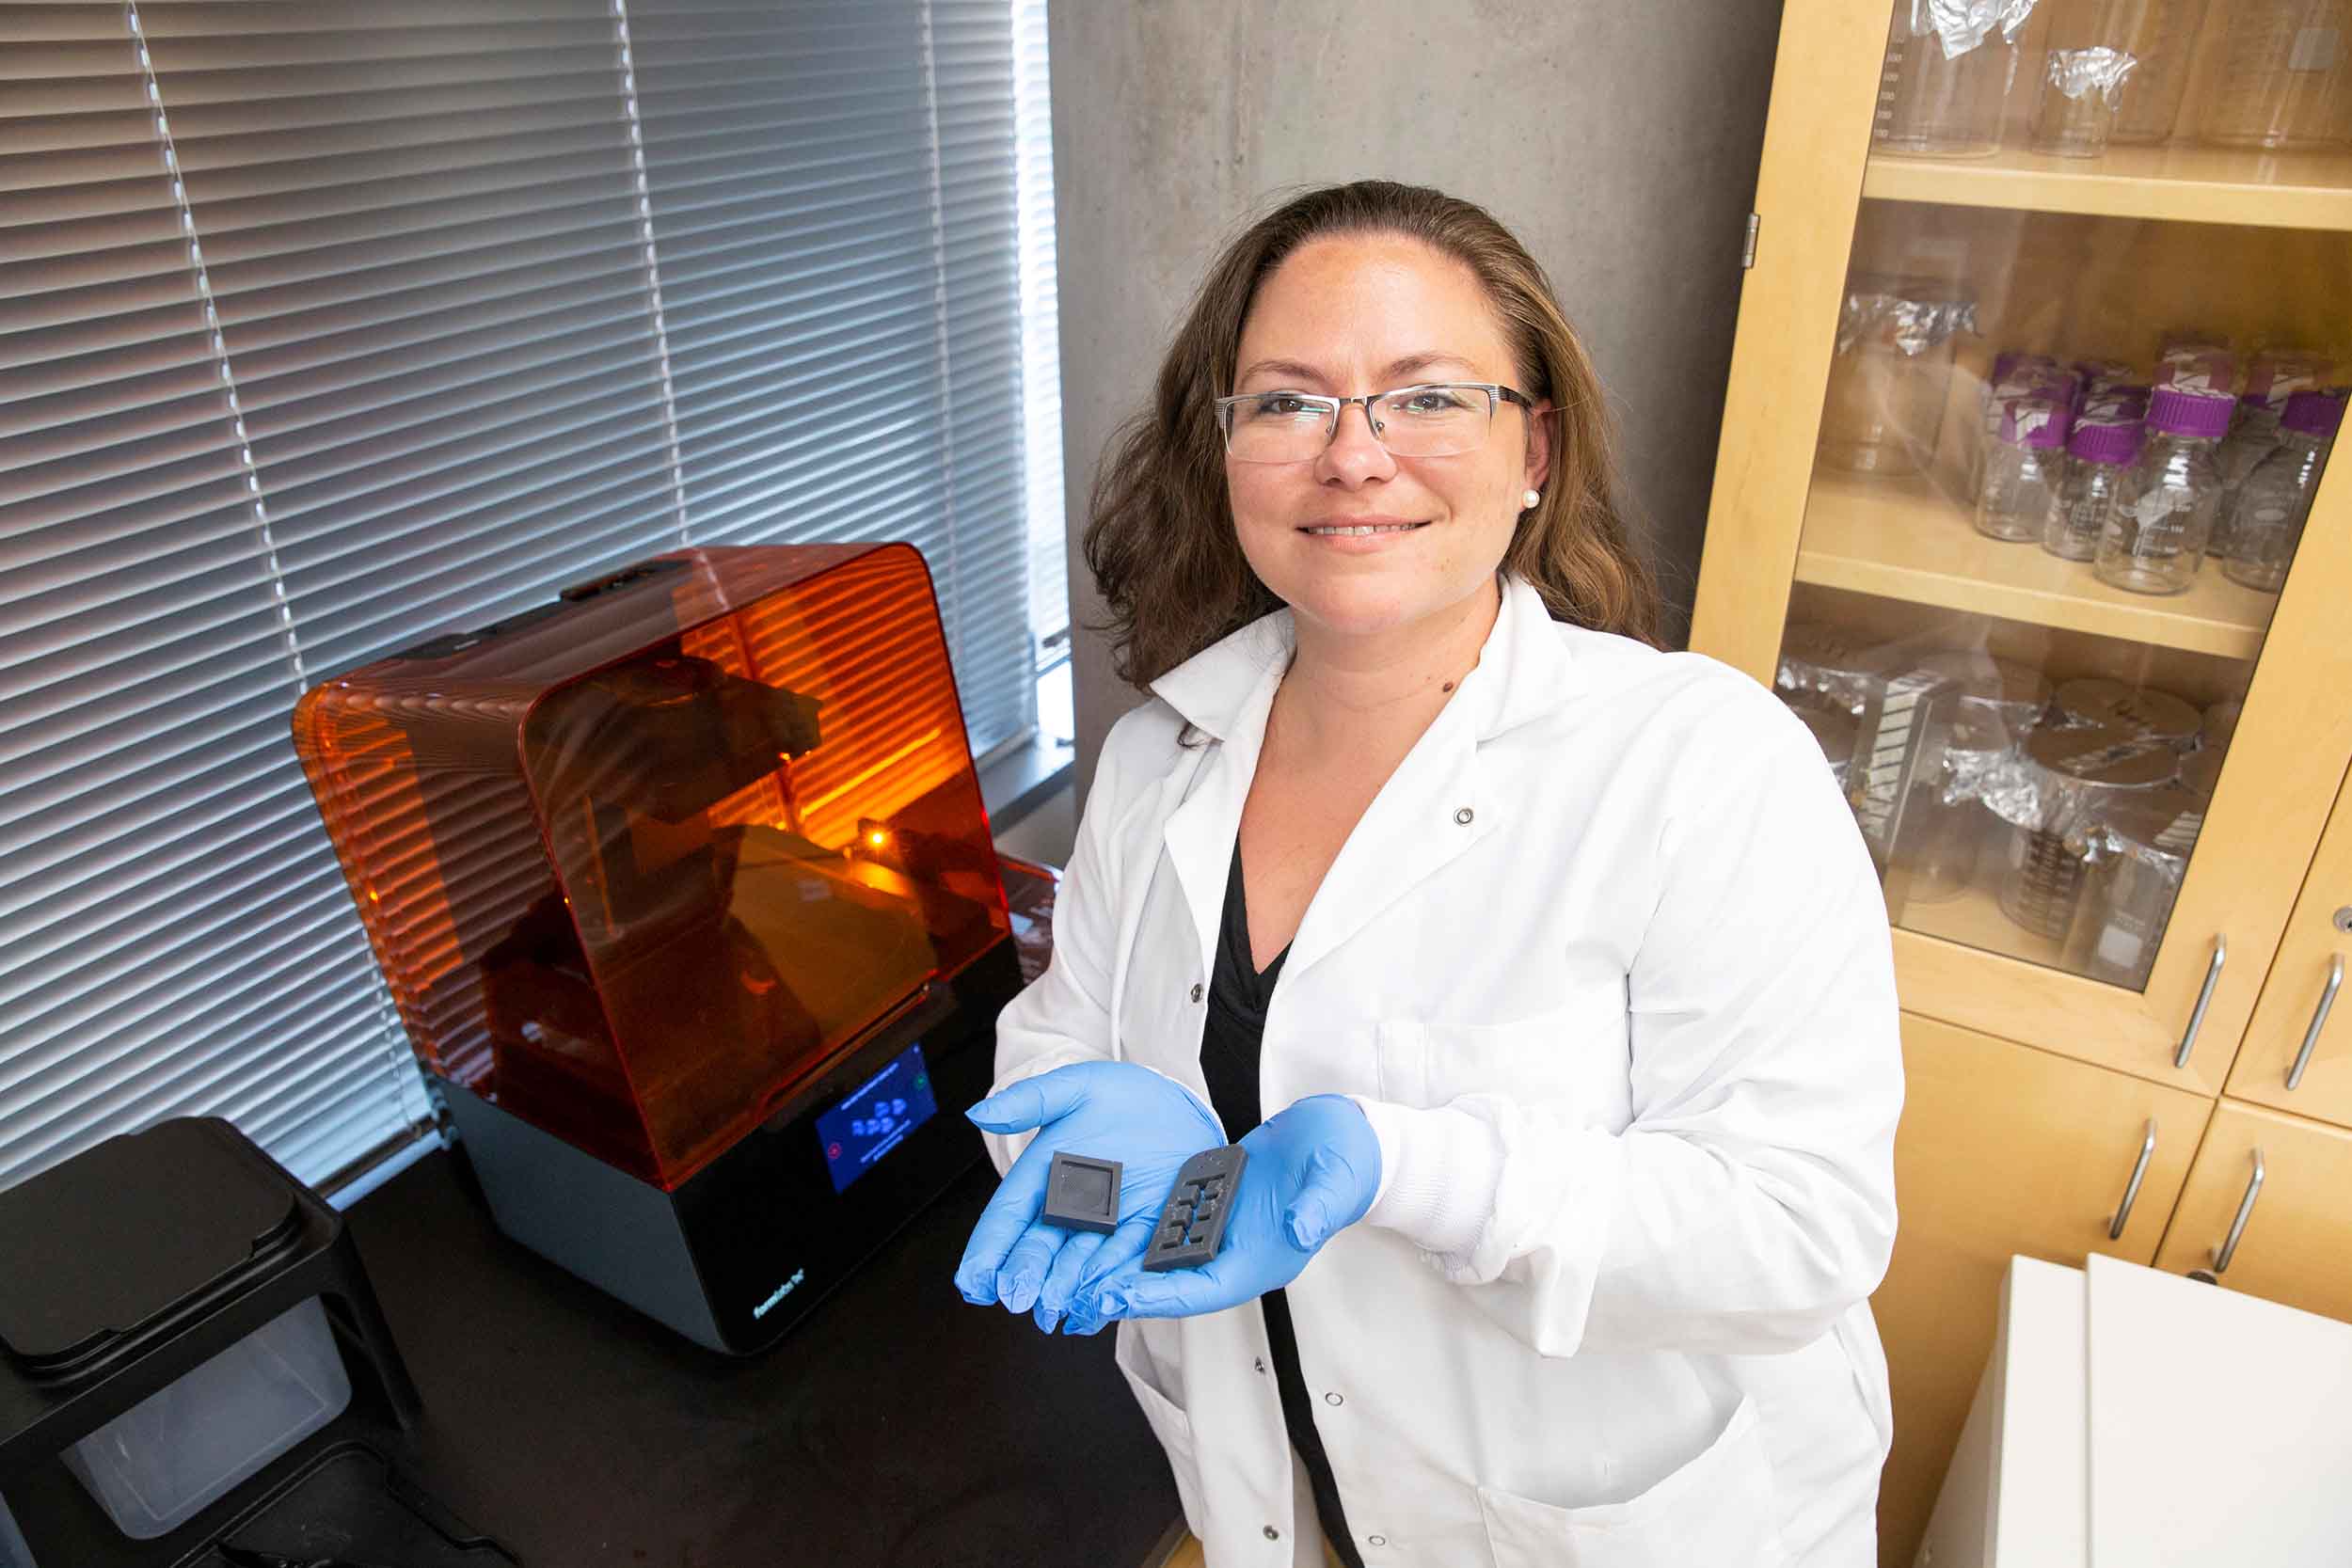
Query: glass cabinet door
[2068, 562]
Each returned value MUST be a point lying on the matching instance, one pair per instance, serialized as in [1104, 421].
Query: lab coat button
[1273, 1534]
[1262, 1365]
[1333, 1399]
[1378, 1540]
[1464, 815]
[1196, 991]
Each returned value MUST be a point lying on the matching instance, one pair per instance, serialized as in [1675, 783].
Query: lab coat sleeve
[1751, 1200]
[1064, 1016]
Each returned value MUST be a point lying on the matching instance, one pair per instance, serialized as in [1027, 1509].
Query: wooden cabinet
[2292, 1225]
[2080, 260]
[2079, 952]
[2298, 1054]
[2003, 1151]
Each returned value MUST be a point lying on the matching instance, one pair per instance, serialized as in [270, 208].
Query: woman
[1557, 959]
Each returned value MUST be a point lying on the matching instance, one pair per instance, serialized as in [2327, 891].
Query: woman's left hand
[1311, 1172]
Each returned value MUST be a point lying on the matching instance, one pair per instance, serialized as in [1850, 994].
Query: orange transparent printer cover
[639, 862]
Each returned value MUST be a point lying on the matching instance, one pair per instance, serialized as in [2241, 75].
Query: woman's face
[1355, 313]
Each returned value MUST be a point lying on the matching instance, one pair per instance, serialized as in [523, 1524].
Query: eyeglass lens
[1414, 421]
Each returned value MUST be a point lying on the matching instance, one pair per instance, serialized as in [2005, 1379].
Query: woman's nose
[1355, 454]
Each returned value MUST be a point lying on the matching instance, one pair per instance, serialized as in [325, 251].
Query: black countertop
[897, 1427]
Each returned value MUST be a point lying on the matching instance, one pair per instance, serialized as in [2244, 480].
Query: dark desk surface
[896, 1428]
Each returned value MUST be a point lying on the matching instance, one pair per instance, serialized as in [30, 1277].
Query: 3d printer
[683, 887]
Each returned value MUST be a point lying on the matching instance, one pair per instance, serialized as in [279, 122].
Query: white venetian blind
[174, 934]
[326, 326]
[1041, 336]
[835, 202]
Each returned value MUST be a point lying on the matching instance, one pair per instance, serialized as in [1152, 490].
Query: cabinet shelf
[2185, 184]
[1901, 539]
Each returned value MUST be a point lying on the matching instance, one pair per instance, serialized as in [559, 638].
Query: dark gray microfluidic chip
[1082, 1192]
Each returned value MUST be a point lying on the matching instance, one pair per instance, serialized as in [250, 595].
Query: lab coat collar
[1524, 670]
[1432, 810]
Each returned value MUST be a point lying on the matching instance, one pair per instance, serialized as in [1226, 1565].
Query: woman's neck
[1344, 694]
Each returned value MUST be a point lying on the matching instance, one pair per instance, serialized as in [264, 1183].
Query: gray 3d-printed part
[1192, 1222]
[1082, 1192]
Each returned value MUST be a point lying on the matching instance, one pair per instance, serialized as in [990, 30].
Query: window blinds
[325, 326]
[1041, 337]
[835, 200]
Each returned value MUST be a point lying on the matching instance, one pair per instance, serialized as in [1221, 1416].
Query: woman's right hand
[1108, 1110]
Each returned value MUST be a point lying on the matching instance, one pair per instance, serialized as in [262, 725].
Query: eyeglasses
[1434, 420]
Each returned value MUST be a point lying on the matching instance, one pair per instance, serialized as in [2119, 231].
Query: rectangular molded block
[1082, 1192]
[1199, 1201]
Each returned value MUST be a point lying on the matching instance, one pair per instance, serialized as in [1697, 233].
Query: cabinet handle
[2319, 1021]
[2131, 1188]
[2205, 1000]
[2227, 1249]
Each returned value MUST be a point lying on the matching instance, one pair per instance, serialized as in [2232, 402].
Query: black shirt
[1231, 1045]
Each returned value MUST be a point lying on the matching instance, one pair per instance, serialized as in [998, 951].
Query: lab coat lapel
[1430, 812]
[1226, 693]
[1442, 798]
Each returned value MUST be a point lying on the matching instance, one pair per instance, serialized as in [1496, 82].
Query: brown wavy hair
[1160, 537]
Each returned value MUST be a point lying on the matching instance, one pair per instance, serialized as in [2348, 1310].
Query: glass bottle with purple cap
[2275, 377]
[2275, 498]
[2155, 537]
[2099, 451]
[2021, 468]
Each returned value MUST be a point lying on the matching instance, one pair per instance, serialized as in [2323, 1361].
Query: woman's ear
[1539, 449]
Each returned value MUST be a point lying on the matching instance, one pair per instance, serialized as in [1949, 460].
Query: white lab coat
[1608, 967]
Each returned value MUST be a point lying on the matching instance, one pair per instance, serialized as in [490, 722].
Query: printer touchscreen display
[875, 1119]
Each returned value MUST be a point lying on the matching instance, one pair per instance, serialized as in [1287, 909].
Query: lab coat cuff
[1440, 1170]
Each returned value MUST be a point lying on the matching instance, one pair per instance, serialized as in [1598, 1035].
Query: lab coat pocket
[1574, 1053]
[1145, 1365]
[1720, 1511]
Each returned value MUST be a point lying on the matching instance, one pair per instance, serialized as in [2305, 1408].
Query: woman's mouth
[1359, 530]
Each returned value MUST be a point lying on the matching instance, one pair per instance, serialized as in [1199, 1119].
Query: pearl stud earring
[1531, 497]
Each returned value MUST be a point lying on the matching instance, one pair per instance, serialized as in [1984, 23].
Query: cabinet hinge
[1747, 250]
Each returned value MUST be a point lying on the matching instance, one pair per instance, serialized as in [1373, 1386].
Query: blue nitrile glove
[1313, 1171]
[1111, 1110]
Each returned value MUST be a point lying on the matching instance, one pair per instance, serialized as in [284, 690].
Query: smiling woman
[1540, 975]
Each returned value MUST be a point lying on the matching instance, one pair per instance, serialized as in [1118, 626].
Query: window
[397, 317]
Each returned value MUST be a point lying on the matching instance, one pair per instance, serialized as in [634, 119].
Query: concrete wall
[1618, 139]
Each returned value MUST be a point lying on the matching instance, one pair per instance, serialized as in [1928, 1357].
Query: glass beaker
[2139, 854]
[2079, 77]
[2273, 74]
[1884, 409]
[1945, 825]
[2054, 797]
[2161, 35]
[1949, 64]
